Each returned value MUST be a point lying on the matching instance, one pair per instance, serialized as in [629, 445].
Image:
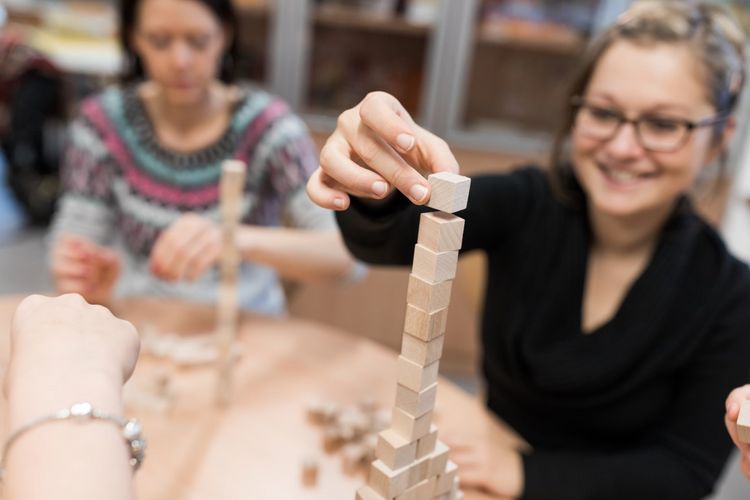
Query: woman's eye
[158, 41]
[661, 124]
[604, 114]
[199, 42]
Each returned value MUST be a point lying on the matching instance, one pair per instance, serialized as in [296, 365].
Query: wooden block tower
[230, 191]
[411, 463]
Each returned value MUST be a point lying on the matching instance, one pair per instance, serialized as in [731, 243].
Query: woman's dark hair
[222, 9]
[715, 39]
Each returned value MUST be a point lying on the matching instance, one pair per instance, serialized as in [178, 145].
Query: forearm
[297, 254]
[66, 459]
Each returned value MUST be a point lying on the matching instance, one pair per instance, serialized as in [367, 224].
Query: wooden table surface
[253, 448]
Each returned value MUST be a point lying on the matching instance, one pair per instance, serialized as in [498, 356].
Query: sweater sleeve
[685, 456]
[385, 232]
[86, 207]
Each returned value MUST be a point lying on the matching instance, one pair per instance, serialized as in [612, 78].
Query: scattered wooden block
[439, 459]
[421, 352]
[310, 468]
[450, 192]
[415, 376]
[386, 481]
[440, 232]
[428, 296]
[425, 325]
[434, 266]
[416, 403]
[426, 444]
[395, 451]
[410, 427]
[353, 455]
[743, 422]
[445, 481]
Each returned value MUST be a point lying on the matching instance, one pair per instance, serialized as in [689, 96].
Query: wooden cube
[388, 482]
[367, 493]
[743, 422]
[416, 403]
[410, 427]
[421, 352]
[425, 325]
[420, 470]
[416, 377]
[420, 491]
[439, 459]
[434, 266]
[395, 451]
[428, 296]
[426, 444]
[450, 192]
[446, 480]
[440, 232]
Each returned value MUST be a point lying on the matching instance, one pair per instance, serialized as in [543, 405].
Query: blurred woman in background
[140, 210]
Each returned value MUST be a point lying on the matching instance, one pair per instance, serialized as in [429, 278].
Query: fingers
[383, 114]
[321, 192]
[187, 248]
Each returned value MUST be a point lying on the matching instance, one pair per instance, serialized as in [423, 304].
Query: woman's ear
[721, 145]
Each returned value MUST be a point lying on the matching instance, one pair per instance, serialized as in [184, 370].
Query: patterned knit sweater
[122, 188]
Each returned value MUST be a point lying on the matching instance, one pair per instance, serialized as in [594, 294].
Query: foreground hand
[734, 401]
[80, 266]
[186, 249]
[67, 337]
[494, 470]
[375, 148]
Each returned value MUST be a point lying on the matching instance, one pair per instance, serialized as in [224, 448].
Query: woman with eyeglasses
[615, 321]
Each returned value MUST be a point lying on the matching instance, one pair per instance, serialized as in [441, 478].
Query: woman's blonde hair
[714, 36]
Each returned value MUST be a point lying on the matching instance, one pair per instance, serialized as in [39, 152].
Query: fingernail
[338, 203]
[418, 192]
[379, 188]
[405, 141]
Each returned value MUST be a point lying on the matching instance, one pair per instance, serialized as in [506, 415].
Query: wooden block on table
[440, 232]
[421, 491]
[428, 296]
[446, 480]
[434, 266]
[438, 459]
[410, 427]
[394, 450]
[416, 403]
[421, 352]
[310, 467]
[367, 493]
[426, 444]
[425, 325]
[415, 376]
[388, 482]
[450, 192]
[419, 471]
[743, 422]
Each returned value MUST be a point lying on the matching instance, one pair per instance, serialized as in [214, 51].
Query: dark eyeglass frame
[579, 103]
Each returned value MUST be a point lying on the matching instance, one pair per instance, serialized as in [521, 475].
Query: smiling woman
[615, 321]
[140, 212]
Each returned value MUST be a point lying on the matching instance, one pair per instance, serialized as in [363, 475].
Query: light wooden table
[253, 448]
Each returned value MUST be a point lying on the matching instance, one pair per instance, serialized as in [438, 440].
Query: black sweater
[633, 410]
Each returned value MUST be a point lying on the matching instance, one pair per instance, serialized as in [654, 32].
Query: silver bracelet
[131, 429]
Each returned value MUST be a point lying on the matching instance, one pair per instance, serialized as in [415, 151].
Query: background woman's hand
[186, 249]
[734, 401]
[80, 266]
[375, 148]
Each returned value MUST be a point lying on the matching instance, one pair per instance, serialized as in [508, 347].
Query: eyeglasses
[655, 133]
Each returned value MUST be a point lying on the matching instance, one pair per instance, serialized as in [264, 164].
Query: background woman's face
[181, 44]
[619, 176]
